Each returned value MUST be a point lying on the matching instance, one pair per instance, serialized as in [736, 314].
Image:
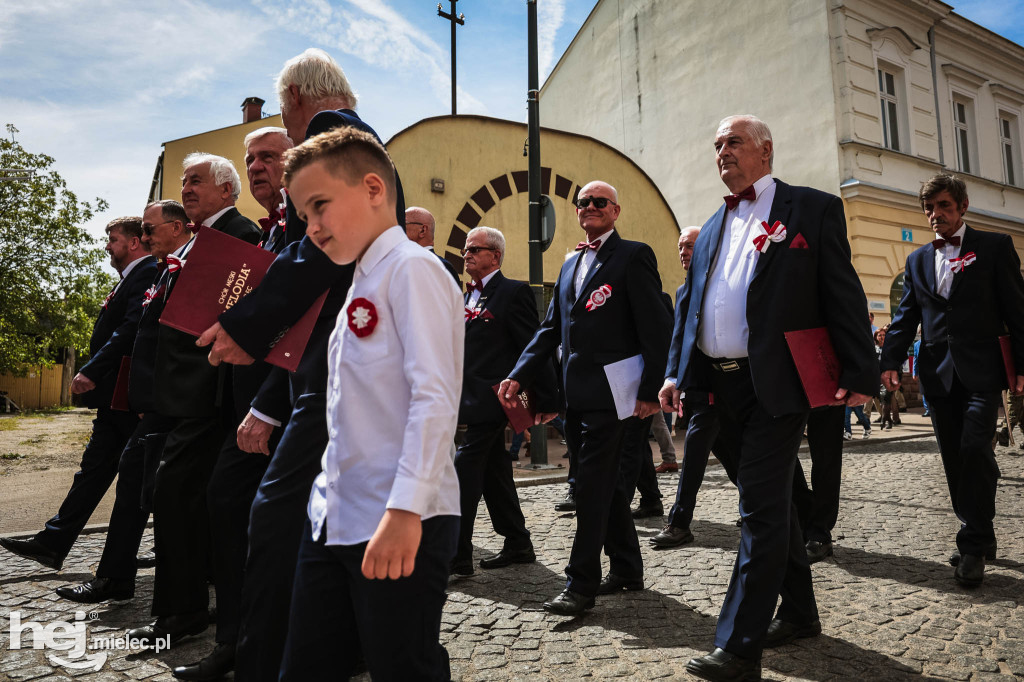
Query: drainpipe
[935, 90]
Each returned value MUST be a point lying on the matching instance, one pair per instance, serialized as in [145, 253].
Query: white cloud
[550, 17]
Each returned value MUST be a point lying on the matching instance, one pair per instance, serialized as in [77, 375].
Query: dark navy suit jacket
[631, 321]
[792, 289]
[960, 335]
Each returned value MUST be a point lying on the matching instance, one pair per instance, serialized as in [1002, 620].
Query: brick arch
[498, 189]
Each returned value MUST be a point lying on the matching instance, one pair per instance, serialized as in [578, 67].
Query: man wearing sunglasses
[605, 309]
[419, 227]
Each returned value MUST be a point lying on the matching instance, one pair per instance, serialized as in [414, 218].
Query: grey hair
[492, 238]
[263, 132]
[684, 230]
[758, 129]
[221, 169]
[317, 76]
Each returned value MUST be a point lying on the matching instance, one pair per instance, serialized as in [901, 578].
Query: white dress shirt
[127, 269]
[212, 219]
[723, 328]
[943, 269]
[474, 297]
[586, 261]
[392, 396]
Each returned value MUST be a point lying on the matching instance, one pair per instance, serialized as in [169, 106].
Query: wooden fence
[39, 388]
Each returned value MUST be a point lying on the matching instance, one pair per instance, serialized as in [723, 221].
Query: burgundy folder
[1011, 371]
[119, 401]
[523, 415]
[817, 365]
[220, 270]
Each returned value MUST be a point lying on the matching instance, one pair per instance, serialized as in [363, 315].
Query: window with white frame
[888, 80]
[963, 133]
[1009, 148]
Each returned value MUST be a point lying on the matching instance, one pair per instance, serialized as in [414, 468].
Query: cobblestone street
[889, 606]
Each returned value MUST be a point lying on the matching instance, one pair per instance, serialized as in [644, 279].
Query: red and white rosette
[150, 294]
[362, 317]
[775, 233]
[599, 296]
[958, 264]
[174, 264]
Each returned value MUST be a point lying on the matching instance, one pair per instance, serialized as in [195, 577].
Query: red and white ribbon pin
[775, 233]
[958, 264]
[599, 296]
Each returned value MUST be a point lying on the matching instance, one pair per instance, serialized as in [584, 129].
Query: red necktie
[473, 286]
[733, 200]
[940, 242]
[595, 245]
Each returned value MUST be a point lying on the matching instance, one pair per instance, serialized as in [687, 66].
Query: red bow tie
[174, 263]
[940, 242]
[193, 228]
[595, 245]
[473, 286]
[267, 223]
[733, 200]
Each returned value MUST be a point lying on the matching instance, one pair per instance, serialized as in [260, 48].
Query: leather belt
[729, 364]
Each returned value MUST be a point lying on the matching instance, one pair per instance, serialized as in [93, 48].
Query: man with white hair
[315, 97]
[264, 164]
[193, 392]
[419, 227]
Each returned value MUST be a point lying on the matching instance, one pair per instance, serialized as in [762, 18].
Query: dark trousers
[111, 430]
[603, 494]
[818, 505]
[647, 477]
[702, 429]
[338, 616]
[181, 521]
[128, 518]
[965, 424]
[229, 498]
[484, 468]
[275, 530]
[772, 560]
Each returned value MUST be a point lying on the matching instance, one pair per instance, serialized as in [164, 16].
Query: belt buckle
[730, 366]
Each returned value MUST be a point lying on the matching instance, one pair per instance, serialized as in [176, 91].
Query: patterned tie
[733, 200]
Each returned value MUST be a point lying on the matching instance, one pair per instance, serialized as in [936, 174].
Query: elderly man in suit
[604, 310]
[501, 318]
[419, 227]
[965, 290]
[194, 393]
[773, 258]
[112, 337]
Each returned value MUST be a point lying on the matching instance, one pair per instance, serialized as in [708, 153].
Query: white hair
[317, 76]
[758, 129]
[684, 230]
[263, 132]
[221, 169]
[492, 238]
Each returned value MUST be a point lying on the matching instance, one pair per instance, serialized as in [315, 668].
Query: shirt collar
[761, 184]
[212, 219]
[487, 278]
[180, 251]
[381, 246]
[131, 266]
[603, 238]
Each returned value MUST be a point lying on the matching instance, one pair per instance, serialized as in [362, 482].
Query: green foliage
[51, 278]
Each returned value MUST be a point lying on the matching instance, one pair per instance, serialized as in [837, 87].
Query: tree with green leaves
[51, 278]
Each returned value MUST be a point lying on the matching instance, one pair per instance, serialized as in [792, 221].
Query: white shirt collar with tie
[586, 260]
[943, 268]
[474, 296]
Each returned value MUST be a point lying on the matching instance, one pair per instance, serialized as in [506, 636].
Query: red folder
[523, 415]
[119, 401]
[220, 270]
[817, 365]
[1011, 371]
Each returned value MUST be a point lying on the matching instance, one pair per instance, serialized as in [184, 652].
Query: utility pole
[461, 21]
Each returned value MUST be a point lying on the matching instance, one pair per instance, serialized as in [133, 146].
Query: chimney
[252, 109]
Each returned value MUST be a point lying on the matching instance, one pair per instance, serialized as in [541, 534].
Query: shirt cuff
[411, 495]
[263, 418]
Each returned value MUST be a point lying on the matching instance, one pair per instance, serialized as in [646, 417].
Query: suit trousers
[181, 525]
[772, 560]
[484, 468]
[603, 493]
[275, 530]
[818, 506]
[339, 616]
[128, 518]
[702, 430]
[646, 476]
[662, 432]
[111, 430]
[965, 423]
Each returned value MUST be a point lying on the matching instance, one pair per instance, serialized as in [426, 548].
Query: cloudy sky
[100, 85]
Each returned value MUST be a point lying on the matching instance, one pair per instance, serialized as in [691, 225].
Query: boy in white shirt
[383, 513]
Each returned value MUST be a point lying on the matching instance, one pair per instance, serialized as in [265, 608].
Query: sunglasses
[477, 249]
[599, 202]
[148, 229]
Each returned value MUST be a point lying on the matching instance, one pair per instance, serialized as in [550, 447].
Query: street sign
[908, 234]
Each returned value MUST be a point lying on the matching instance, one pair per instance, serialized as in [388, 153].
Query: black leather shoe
[1003, 436]
[99, 589]
[818, 551]
[569, 603]
[612, 583]
[721, 666]
[147, 559]
[670, 536]
[780, 632]
[461, 567]
[568, 504]
[990, 554]
[34, 550]
[507, 557]
[647, 511]
[177, 627]
[970, 571]
[219, 663]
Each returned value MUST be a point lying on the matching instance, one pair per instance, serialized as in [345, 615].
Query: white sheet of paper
[624, 380]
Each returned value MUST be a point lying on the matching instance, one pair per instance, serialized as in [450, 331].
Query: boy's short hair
[347, 153]
[956, 187]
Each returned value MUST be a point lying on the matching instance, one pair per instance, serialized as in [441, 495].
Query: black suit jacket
[141, 383]
[188, 386]
[959, 335]
[792, 289]
[449, 267]
[495, 338]
[631, 321]
[114, 333]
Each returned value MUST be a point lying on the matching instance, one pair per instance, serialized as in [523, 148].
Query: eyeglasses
[413, 222]
[599, 202]
[477, 249]
[147, 229]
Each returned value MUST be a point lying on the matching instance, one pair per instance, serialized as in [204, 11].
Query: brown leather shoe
[665, 467]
